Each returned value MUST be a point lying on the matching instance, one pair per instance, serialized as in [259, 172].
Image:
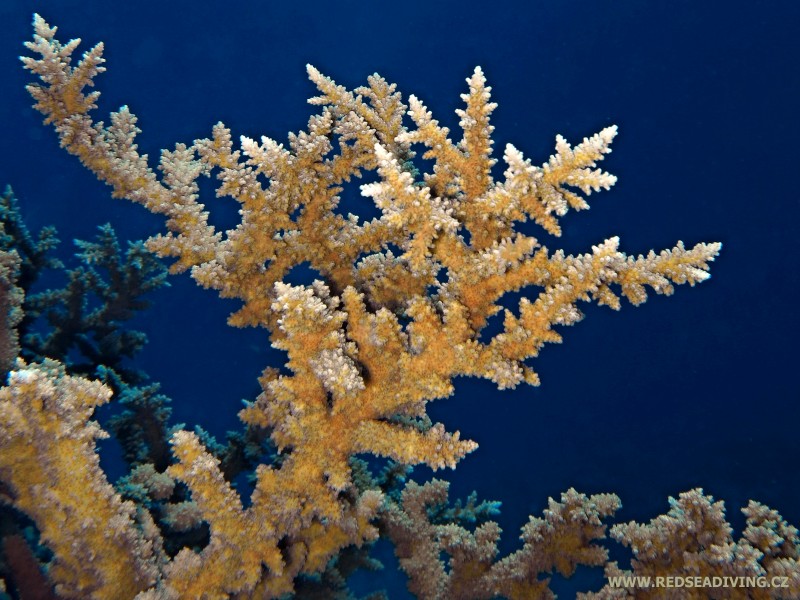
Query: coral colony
[396, 312]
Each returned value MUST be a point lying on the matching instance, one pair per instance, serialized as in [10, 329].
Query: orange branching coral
[559, 542]
[694, 541]
[400, 302]
[11, 309]
[48, 460]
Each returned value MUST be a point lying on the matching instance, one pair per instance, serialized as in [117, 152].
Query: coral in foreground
[50, 465]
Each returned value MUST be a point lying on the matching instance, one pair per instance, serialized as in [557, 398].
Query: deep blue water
[699, 389]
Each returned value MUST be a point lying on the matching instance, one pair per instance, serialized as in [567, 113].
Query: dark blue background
[695, 390]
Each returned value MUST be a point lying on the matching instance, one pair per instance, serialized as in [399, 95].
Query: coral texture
[693, 540]
[398, 311]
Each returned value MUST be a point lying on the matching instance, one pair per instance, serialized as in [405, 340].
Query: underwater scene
[360, 300]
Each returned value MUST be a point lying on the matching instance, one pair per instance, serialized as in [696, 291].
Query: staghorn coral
[695, 540]
[11, 298]
[559, 542]
[50, 465]
[87, 334]
[36, 254]
[85, 316]
[81, 323]
[396, 314]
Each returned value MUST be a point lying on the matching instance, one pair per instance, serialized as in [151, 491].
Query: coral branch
[47, 457]
[694, 540]
[559, 542]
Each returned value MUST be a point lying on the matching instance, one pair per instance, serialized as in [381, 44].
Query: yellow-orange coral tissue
[368, 344]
